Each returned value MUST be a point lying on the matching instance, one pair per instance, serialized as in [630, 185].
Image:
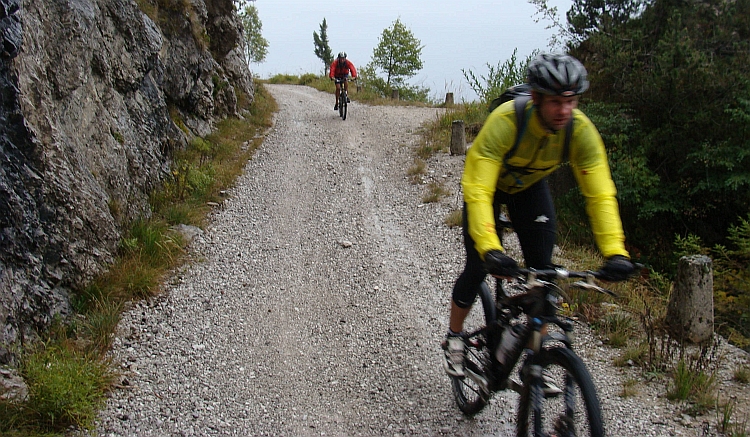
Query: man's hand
[499, 264]
[617, 268]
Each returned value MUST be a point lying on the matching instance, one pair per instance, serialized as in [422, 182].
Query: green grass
[67, 373]
[66, 388]
[727, 421]
[634, 354]
[616, 327]
[694, 385]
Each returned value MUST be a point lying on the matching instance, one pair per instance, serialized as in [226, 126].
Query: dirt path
[318, 297]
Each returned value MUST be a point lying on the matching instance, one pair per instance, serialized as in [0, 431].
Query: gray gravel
[317, 298]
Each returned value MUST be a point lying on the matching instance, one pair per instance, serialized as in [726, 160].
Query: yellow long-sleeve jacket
[539, 153]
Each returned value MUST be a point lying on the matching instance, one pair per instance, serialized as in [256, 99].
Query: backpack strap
[520, 106]
[568, 136]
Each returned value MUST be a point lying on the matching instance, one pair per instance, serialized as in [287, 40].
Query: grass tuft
[694, 385]
[742, 374]
[66, 388]
[435, 191]
[416, 171]
[629, 388]
[454, 218]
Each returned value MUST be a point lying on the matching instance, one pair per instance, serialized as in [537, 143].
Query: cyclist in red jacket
[340, 69]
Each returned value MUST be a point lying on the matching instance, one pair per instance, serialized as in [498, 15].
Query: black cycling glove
[617, 268]
[499, 264]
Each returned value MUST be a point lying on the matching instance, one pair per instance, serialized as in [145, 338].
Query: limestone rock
[93, 92]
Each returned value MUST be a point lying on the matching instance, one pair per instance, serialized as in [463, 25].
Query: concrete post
[690, 311]
[458, 138]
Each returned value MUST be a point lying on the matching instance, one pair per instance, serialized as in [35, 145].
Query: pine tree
[322, 49]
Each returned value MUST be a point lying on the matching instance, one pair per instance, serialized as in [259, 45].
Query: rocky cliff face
[96, 94]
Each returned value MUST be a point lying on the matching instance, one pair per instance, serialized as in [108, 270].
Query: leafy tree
[398, 54]
[322, 49]
[585, 17]
[670, 94]
[256, 47]
[499, 78]
[680, 74]
[377, 85]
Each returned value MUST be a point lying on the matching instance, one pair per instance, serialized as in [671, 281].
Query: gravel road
[317, 298]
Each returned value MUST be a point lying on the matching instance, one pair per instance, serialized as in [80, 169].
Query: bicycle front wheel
[560, 400]
[472, 392]
[342, 104]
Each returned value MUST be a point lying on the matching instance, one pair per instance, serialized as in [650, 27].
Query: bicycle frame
[342, 96]
[540, 311]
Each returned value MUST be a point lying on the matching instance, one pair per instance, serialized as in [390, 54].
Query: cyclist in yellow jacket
[492, 178]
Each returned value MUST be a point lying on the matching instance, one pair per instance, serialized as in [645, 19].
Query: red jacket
[342, 70]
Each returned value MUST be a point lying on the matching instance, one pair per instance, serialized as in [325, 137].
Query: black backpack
[521, 94]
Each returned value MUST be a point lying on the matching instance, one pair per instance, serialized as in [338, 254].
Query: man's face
[555, 111]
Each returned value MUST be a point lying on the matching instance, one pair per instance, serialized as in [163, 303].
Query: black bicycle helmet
[342, 55]
[557, 74]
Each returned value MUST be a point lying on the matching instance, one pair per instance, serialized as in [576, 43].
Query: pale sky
[456, 35]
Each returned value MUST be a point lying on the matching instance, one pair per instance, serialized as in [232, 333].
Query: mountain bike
[343, 97]
[526, 331]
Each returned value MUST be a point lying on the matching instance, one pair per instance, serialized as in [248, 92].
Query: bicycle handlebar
[563, 273]
[531, 275]
[557, 273]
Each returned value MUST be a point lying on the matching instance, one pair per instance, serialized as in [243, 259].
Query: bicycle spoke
[561, 401]
[471, 395]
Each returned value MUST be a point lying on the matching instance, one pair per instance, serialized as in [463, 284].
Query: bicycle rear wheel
[472, 392]
[574, 411]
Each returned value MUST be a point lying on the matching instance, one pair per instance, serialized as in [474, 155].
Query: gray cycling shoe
[455, 351]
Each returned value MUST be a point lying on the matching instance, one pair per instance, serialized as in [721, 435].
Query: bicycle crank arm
[481, 381]
[513, 385]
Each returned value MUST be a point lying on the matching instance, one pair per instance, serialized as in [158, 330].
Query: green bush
[499, 77]
[308, 78]
[289, 79]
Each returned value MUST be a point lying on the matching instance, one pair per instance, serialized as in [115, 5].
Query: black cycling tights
[533, 215]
